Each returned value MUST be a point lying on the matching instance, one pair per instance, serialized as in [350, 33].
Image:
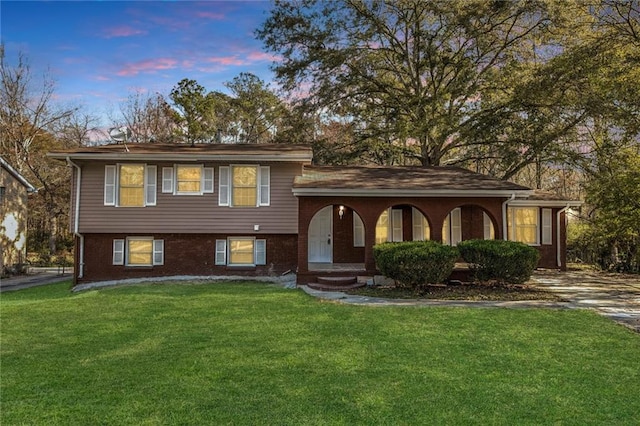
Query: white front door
[320, 236]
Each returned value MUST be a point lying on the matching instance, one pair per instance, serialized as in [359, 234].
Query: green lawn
[254, 354]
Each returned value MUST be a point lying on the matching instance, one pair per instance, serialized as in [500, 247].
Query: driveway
[616, 296]
[36, 277]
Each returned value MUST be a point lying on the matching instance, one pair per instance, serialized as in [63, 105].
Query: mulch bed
[463, 291]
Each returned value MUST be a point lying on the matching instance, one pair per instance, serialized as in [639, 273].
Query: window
[138, 251]
[523, 224]
[452, 228]
[130, 185]
[244, 186]
[2, 190]
[358, 231]
[547, 226]
[242, 251]
[389, 226]
[421, 230]
[489, 232]
[192, 179]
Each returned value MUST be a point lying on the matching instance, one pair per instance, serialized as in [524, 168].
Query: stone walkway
[616, 296]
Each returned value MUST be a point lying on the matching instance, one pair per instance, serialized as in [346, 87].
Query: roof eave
[129, 156]
[362, 192]
[545, 203]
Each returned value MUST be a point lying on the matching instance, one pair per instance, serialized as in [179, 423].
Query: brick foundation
[184, 254]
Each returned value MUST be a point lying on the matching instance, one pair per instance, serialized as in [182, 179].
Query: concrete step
[336, 283]
[337, 280]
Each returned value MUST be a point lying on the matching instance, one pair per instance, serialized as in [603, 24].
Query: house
[14, 189]
[151, 210]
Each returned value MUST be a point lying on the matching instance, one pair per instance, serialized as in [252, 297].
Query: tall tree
[29, 126]
[258, 112]
[406, 72]
[195, 111]
[149, 117]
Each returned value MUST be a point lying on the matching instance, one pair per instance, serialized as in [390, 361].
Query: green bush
[503, 261]
[415, 263]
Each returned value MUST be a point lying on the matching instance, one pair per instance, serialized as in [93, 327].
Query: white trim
[264, 186]
[358, 230]
[118, 252]
[282, 157]
[128, 255]
[167, 180]
[545, 203]
[364, 192]
[547, 226]
[110, 184]
[224, 186]
[230, 240]
[157, 257]
[150, 185]
[208, 180]
[221, 252]
[177, 180]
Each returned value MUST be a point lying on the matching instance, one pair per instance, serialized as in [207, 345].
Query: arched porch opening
[468, 222]
[402, 222]
[336, 238]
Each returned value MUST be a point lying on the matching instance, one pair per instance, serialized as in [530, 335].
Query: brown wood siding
[190, 213]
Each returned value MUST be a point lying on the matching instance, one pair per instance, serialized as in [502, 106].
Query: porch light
[341, 211]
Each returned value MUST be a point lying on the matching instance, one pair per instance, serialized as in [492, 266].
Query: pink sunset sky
[100, 52]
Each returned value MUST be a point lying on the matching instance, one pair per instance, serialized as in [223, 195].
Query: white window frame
[170, 180]
[547, 226]
[489, 231]
[511, 219]
[121, 251]
[223, 252]
[420, 225]
[452, 227]
[112, 184]
[263, 185]
[358, 230]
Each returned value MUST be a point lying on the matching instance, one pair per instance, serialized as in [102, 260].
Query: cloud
[148, 66]
[210, 15]
[227, 60]
[262, 56]
[122, 31]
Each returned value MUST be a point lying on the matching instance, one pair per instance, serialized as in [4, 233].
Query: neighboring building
[215, 209]
[13, 217]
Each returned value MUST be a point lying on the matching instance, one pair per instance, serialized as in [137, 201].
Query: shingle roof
[149, 150]
[400, 178]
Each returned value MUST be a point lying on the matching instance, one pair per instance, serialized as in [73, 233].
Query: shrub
[415, 263]
[504, 261]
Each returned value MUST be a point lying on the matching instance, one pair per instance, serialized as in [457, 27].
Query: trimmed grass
[248, 353]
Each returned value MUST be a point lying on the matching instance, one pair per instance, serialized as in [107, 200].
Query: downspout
[76, 219]
[558, 244]
[505, 234]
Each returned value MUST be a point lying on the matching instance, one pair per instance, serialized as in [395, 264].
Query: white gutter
[505, 234]
[76, 219]
[559, 246]
[395, 192]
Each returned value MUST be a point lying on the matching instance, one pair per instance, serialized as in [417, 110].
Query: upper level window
[244, 186]
[523, 224]
[130, 185]
[187, 179]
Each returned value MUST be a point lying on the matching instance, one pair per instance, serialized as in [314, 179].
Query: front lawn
[249, 353]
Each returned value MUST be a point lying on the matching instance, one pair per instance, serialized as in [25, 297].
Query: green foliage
[610, 235]
[504, 261]
[246, 354]
[415, 263]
